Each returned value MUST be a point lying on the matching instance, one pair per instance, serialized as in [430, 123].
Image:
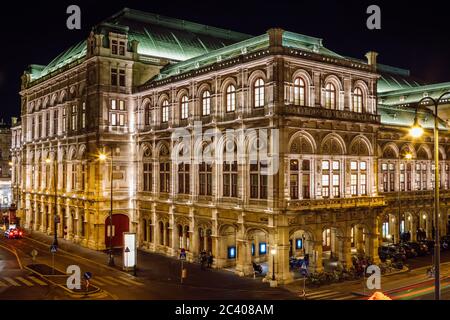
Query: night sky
[413, 36]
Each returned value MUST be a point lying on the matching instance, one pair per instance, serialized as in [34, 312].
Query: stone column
[345, 252]
[244, 255]
[372, 244]
[316, 257]
[359, 239]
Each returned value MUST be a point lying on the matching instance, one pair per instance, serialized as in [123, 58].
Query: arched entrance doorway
[121, 224]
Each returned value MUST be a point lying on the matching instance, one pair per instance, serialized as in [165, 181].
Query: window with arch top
[299, 92]
[259, 93]
[358, 100]
[206, 103]
[184, 107]
[165, 111]
[231, 98]
[330, 96]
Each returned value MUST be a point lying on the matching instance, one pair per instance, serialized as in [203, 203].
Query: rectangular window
[114, 46]
[165, 114]
[336, 178]
[294, 183]
[122, 48]
[298, 244]
[114, 77]
[354, 184]
[164, 177]
[148, 176]
[262, 248]
[122, 78]
[55, 122]
[83, 115]
[183, 178]
[113, 119]
[205, 178]
[325, 185]
[230, 174]
[64, 121]
[363, 180]
[232, 252]
[113, 104]
[121, 105]
[258, 181]
[74, 118]
[47, 124]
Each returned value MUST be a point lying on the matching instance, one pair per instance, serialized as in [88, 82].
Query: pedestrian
[203, 260]
[210, 259]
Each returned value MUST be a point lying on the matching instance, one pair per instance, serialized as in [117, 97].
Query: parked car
[420, 248]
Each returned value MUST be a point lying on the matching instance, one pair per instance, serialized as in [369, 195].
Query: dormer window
[114, 46]
[118, 47]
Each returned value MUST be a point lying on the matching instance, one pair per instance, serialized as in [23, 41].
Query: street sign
[130, 251]
[87, 275]
[53, 248]
[127, 249]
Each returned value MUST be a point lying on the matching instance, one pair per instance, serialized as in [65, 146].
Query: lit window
[113, 104]
[299, 92]
[262, 248]
[184, 107]
[206, 103]
[83, 115]
[231, 98]
[298, 244]
[358, 100]
[259, 93]
[122, 48]
[114, 46]
[231, 252]
[330, 96]
[165, 111]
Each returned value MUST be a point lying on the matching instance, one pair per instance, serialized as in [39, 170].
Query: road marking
[324, 296]
[11, 281]
[132, 281]
[117, 280]
[28, 283]
[345, 298]
[108, 281]
[319, 292]
[40, 282]
[2, 284]
[97, 282]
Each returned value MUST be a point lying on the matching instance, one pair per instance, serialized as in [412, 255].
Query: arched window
[184, 107]
[326, 239]
[299, 92]
[358, 100]
[231, 98]
[147, 115]
[206, 103]
[259, 93]
[330, 96]
[165, 112]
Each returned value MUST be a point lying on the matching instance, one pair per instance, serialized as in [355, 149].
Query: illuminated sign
[129, 250]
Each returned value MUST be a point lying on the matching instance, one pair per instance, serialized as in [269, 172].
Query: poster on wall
[129, 250]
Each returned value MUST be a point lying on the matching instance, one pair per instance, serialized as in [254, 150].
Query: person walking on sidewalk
[210, 259]
[203, 259]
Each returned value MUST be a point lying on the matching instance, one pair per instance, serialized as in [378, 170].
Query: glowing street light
[416, 130]
[273, 252]
[103, 157]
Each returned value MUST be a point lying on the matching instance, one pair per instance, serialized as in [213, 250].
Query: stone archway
[227, 246]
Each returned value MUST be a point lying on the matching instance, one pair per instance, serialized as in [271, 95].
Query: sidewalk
[163, 269]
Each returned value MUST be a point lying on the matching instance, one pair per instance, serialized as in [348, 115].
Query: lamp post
[407, 156]
[273, 252]
[55, 208]
[416, 131]
[103, 157]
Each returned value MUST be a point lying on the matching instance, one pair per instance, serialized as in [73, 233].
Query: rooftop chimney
[372, 58]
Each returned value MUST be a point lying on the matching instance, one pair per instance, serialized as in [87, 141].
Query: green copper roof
[404, 116]
[70, 55]
[171, 38]
[289, 40]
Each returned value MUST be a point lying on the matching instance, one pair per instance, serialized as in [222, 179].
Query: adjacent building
[5, 166]
[253, 148]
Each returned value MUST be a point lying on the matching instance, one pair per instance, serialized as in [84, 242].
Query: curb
[72, 293]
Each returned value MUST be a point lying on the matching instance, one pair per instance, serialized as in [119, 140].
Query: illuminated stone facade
[129, 93]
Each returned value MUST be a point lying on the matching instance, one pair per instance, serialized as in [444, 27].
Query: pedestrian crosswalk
[21, 281]
[329, 295]
[114, 281]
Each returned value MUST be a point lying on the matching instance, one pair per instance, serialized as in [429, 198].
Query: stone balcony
[335, 203]
[323, 113]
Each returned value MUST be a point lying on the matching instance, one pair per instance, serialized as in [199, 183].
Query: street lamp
[103, 157]
[273, 252]
[417, 131]
[55, 218]
[407, 156]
